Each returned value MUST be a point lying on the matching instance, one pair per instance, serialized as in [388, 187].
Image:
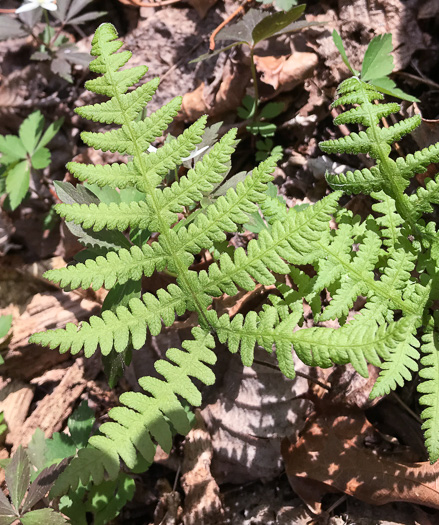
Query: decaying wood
[53, 410]
[15, 400]
[44, 311]
[202, 502]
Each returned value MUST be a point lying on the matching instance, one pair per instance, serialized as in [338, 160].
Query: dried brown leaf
[338, 452]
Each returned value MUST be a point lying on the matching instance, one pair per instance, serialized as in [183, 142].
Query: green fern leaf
[429, 387]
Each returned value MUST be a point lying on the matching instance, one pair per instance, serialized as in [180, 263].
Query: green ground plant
[54, 48]
[21, 156]
[390, 259]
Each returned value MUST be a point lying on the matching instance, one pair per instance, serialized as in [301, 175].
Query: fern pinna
[375, 258]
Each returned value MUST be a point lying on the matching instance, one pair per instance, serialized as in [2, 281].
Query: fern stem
[255, 83]
[182, 270]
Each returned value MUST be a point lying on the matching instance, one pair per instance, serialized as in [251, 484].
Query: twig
[418, 79]
[406, 407]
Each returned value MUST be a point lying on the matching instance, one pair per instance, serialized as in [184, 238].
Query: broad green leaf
[3, 425]
[43, 517]
[242, 31]
[60, 446]
[105, 194]
[17, 475]
[272, 110]
[17, 183]
[273, 24]
[76, 7]
[377, 60]
[80, 424]
[50, 132]
[387, 86]
[107, 499]
[339, 45]
[12, 149]
[5, 325]
[30, 131]
[247, 110]
[40, 159]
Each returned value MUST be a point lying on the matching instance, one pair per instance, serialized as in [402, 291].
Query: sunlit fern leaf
[429, 388]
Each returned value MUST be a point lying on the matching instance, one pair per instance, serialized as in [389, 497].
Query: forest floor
[236, 446]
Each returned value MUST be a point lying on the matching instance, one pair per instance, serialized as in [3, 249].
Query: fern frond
[264, 329]
[226, 213]
[401, 363]
[353, 143]
[126, 107]
[145, 420]
[355, 91]
[367, 116]
[357, 343]
[390, 221]
[423, 199]
[115, 329]
[115, 267]
[296, 240]
[358, 181]
[136, 137]
[112, 175]
[418, 162]
[429, 387]
[111, 216]
[397, 131]
[155, 165]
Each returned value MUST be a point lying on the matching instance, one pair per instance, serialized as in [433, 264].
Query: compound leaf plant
[390, 259]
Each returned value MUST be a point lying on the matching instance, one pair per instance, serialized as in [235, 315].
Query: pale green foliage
[371, 258]
[23, 154]
[399, 288]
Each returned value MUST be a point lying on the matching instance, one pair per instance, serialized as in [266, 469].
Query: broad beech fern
[390, 259]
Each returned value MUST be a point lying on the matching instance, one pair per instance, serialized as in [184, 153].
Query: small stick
[224, 23]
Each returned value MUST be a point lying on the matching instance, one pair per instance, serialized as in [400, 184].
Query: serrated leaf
[17, 475]
[41, 158]
[11, 28]
[60, 446]
[7, 514]
[40, 55]
[273, 24]
[30, 131]
[43, 483]
[50, 132]
[62, 68]
[339, 45]
[5, 325]
[377, 61]
[80, 424]
[12, 149]
[17, 183]
[40, 516]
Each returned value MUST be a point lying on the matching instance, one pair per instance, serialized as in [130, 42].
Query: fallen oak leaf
[337, 452]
